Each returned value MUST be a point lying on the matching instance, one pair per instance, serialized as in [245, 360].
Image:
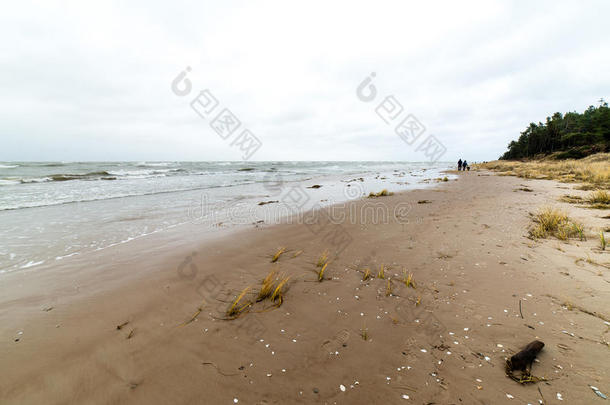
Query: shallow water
[53, 211]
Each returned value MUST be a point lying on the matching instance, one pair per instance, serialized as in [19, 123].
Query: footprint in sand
[337, 342]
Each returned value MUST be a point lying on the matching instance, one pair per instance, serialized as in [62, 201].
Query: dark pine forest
[565, 136]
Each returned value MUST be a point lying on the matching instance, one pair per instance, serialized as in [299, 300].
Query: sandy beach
[270, 202]
[481, 291]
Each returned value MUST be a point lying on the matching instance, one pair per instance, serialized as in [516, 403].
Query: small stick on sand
[130, 334]
[209, 363]
[541, 396]
[195, 315]
[405, 387]
[119, 327]
[520, 313]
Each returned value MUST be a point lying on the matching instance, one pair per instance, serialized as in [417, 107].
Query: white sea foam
[36, 180]
[31, 263]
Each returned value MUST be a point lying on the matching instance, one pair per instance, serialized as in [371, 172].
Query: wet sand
[444, 342]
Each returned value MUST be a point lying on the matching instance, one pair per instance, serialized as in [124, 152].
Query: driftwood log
[523, 361]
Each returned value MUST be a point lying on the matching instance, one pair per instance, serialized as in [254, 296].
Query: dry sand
[472, 264]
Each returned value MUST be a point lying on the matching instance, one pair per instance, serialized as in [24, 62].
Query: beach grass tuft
[572, 199]
[553, 222]
[278, 293]
[599, 197]
[381, 272]
[577, 230]
[321, 272]
[277, 254]
[591, 261]
[323, 259]
[408, 279]
[593, 170]
[388, 288]
[367, 274]
[382, 193]
[364, 333]
[237, 306]
[267, 286]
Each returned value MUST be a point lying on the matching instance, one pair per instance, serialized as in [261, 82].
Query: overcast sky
[85, 81]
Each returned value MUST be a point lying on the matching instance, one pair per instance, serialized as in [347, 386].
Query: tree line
[570, 135]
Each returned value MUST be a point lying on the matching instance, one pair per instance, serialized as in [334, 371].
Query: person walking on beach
[464, 165]
[459, 165]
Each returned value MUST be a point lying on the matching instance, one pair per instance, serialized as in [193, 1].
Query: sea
[53, 211]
